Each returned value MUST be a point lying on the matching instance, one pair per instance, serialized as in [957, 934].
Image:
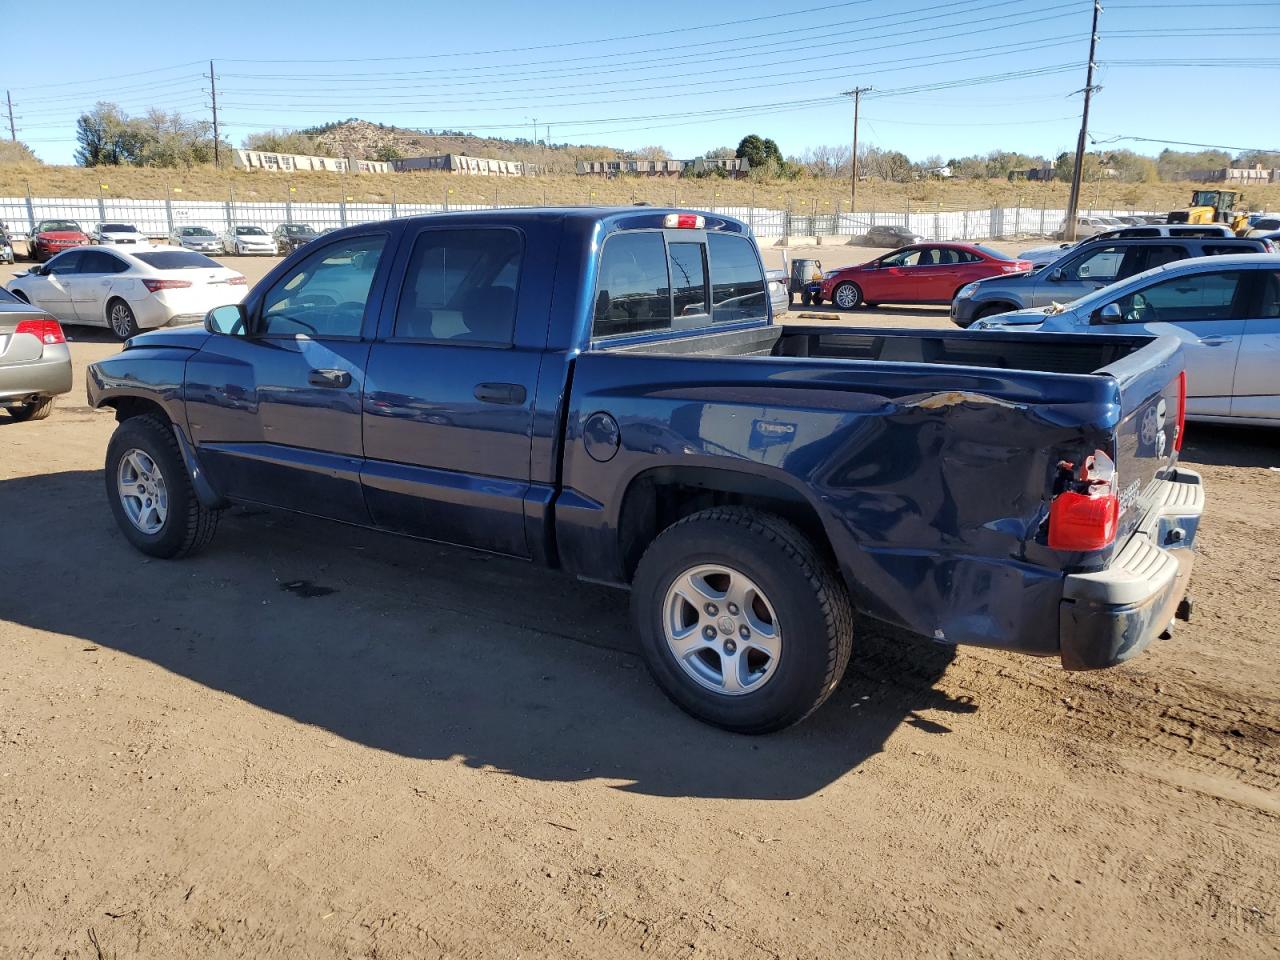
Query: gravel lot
[451, 755]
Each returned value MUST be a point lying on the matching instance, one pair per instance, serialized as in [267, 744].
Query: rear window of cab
[649, 282]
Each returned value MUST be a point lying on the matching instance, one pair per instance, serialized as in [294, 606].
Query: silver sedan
[35, 364]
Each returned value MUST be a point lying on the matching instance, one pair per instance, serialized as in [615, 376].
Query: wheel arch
[657, 497]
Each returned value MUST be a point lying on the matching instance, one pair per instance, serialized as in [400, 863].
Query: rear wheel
[741, 621]
[150, 491]
[121, 319]
[32, 410]
[806, 298]
[846, 296]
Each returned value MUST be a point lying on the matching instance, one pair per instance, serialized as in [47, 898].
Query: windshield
[177, 260]
[118, 228]
[196, 232]
[298, 230]
[48, 225]
[993, 254]
[250, 232]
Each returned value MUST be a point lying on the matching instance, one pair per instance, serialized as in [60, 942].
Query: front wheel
[121, 320]
[846, 296]
[741, 621]
[150, 491]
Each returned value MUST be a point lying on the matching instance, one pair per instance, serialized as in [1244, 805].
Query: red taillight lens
[46, 331]
[238, 281]
[1182, 411]
[154, 285]
[683, 221]
[1083, 521]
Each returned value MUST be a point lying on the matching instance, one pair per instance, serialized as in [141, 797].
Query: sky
[951, 78]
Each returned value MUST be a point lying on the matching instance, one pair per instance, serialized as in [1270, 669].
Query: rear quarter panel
[932, 484]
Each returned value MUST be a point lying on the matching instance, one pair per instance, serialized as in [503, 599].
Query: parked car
[1226, 311]
[892, 237]
[51, 237]
[197, 239]
[129, 292]
[1088, 268]
[248, 241]
[925, 273]
[120, 235]
[1156, 218]
[290, 236]
[6, 247]
[646, 423]
[1263, 226]
[35, 365]
[1047, 254]
[1085, 227]
[779, 291]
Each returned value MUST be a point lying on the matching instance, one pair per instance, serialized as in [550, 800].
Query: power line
[1184, 143]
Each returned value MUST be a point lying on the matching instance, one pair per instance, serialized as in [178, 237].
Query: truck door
[448, 410]
[276, 413]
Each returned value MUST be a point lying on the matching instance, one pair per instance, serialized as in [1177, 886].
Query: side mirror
[1056, 275]
[229, 320]
[1110, 313]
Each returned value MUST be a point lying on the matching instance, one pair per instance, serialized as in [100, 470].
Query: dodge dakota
[605, 391]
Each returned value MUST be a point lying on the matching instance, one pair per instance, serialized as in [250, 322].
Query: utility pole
[1077, 172]
[13, 131]
[856, 93]
[213, 95]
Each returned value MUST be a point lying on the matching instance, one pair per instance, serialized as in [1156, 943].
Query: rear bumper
[1110, 616]
[46, 377]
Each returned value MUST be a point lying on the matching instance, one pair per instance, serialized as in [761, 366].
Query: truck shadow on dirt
[432, 652]
[1227, 445]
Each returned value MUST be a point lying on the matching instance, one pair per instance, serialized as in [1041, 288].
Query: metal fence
[159, 218]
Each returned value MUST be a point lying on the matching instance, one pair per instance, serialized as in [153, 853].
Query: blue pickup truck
[605, 391]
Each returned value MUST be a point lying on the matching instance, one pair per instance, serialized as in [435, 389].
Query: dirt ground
[316, 742]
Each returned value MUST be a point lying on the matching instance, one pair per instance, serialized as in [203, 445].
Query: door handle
[1214, 341]
[329, 378]
[509, 393]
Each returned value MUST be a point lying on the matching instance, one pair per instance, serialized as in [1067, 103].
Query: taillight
[1086, 516]
[1268, 246]
[684, 221]
[155, 285]
[46, 331]
[1182, 412]
[238, 281]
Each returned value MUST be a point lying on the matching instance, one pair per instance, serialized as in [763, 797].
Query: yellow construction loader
[1213, 206]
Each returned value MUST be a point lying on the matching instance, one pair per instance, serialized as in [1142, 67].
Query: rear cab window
[652, 281]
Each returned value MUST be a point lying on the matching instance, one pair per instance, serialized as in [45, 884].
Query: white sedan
[129, 292]
[248, 241]
[121, 235]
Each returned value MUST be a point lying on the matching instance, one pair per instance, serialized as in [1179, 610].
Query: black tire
[847, 291]
[34, 410]
[992, 311]
[806, 298]
[189, 525]
[817, 299]
[120, 319]
[813, 613]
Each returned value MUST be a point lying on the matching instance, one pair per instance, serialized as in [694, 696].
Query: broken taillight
[1182, 412]
[1086, 516]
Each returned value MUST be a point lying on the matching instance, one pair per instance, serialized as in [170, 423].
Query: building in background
[1236, 176]
[735, 167]
[298, 163]
[461, 164]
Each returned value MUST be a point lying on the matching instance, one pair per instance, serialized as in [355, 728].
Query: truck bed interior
[1042, 352]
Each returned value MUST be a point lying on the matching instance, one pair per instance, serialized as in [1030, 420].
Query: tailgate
[1152, 397]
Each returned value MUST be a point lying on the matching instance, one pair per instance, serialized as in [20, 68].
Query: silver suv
[1086, 268]
[1051, 252]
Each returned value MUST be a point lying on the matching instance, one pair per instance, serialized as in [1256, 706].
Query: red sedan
[920, 273]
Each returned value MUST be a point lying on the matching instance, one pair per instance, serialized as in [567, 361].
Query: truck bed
[1042, 353]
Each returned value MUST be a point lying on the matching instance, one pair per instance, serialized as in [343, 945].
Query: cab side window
[325, 295]
[461, 285]
[633, 293]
